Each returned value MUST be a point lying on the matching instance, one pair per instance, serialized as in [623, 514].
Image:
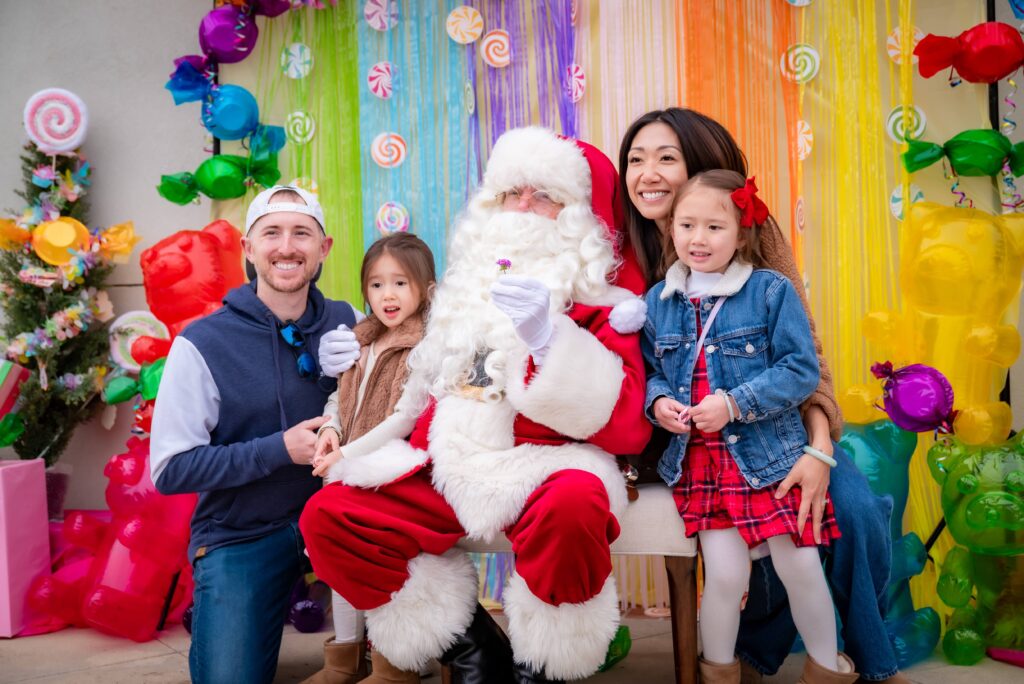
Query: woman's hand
[671, 415]
[811, 474]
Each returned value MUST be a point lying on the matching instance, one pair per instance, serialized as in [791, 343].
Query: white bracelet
[728, 403]
[820, 455]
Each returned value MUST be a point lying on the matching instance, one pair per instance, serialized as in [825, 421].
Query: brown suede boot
[343, 664]
[748, 675]
[814, 673]
[714, 673]
[386, 673]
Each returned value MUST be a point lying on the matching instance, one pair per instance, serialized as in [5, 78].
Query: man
[520, 392]
[240, 403]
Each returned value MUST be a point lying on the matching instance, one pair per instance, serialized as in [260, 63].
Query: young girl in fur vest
[397, 281]
[732, 358]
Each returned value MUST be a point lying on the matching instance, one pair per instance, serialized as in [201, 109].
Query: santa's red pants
[361, 540]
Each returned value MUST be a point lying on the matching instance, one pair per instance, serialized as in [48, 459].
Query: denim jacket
[759, 349]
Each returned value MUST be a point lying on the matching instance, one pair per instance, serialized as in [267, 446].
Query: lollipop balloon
[917, 397]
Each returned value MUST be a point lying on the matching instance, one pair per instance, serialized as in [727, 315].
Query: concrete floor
[83, 656]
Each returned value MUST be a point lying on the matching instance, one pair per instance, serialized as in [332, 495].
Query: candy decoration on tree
[804, 140]
[894, 124]
[55, 242]
[56, 120]
[577, 84]
[800, 63]
[379, 79]
[296, 60]
[388, 150]
[896, 200]
[126, 330]
[300, 127]
[985, 53]
[464, 24]
[978, 152]
[392, 217]
[227, 34]
[381, 15]
[917, 397]
[496, 49]
[894, 44]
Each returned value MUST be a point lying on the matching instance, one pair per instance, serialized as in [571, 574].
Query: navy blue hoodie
[232, 450]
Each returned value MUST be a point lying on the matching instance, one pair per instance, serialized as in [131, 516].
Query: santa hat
[573, 172]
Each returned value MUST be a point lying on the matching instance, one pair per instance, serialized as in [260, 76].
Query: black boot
[483, 655]
[526, 675]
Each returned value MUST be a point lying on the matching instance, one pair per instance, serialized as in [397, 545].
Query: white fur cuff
[575, 391]
[391, 462]
[424, 617]
[628, 316]
[569, 641]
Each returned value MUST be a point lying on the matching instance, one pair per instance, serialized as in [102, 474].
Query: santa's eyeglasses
[535, 199]
[304, 361]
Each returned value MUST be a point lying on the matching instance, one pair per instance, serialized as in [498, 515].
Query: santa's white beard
[464, 323]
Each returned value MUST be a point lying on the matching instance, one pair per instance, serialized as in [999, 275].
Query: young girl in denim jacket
[731, 359]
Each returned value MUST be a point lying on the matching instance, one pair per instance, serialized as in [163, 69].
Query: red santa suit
[535, 462]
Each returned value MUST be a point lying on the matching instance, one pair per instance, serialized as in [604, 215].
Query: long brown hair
[705, 144]
[412, 254]
[726, 181]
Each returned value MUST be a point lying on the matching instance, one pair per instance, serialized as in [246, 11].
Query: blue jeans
[857, 567]
[241, 598]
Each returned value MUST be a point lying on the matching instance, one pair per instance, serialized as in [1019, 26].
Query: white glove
[339, 351]
[527, 302]
[628, 316]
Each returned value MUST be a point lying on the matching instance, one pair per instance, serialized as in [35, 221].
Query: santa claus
[525, 386]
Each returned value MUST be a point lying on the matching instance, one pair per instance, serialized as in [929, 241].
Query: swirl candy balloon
[300, 127]
[894, 44]
[296, 60]
[381, 15]
[496, 49]
[804, 140]
[800, 63]
[388, 150]
[917, 397]
[392, 217]
[56, 120]
[577, 82]
[464, 24]
[379, 79]
[895, 128]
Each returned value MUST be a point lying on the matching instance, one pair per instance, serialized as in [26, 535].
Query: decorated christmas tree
[53, 333]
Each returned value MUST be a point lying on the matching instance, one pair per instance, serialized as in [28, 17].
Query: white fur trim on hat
[424, 617]
[569, 641]
[538, 158]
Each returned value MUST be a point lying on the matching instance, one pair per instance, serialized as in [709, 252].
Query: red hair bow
[752, 210]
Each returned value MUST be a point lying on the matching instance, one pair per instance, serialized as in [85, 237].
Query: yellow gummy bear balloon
[858, 404]
[983, 423]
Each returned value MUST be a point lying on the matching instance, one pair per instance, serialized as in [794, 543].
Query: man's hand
[711, 414]
[300, 440]
[527, 302]
[671, 415]
[338, 351]
[811, 476]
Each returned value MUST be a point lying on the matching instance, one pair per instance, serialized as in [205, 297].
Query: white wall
[116, 55]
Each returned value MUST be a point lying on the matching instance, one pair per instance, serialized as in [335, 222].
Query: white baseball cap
[261, 206]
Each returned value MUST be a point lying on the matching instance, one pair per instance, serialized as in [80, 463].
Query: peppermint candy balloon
[300, 127]
[392, 217]
[894, 124]
[577, 82]
[296, 60]
[464, 24]
[496, 49]
[129, 327]
[306, 183]
[56, 120]
[804, 139]
[799, 214]
[379, 79]
[800, 63]
[381, 15]
[894, 44]
[896, 200]
[388, 150]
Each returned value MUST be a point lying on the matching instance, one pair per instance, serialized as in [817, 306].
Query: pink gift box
[24, 538]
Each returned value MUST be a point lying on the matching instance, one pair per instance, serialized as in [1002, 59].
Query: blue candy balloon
[233, 114]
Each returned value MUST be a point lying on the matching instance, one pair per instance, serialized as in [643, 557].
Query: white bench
[651, 526]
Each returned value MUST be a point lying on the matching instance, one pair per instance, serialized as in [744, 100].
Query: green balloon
[11, 428]
[222, 177]
[179, 188]
[618, 649]
[120, 390]
[149, 378]
[977, 152]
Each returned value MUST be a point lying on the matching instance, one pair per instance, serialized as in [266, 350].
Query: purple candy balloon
[307, 616]
[227, 35]
[271, 8]
[917, 397]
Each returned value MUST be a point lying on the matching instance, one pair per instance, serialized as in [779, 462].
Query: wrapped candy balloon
[222, 176]
[978, 152]
[917, 397]
[229, 112]
[982, 54]
[227, 34]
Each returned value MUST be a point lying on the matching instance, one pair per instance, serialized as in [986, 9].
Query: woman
[659, 152]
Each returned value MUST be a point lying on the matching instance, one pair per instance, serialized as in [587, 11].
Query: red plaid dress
[712, 493]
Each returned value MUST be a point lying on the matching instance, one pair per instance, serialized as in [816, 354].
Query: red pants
[360, 540]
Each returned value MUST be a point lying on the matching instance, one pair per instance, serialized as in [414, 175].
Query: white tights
[348, 622]
[727, 575]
